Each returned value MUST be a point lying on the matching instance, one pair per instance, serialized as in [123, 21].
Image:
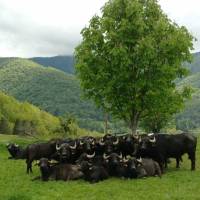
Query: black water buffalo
[130, 168]
[66, 151]
[94, 173]
[40, 150]
[147, 167]
[63, 172]
[160, 147]
[87, 157]
[110, 144]
[115, 165]
[86, 144]
[16, 151]
[128, 144]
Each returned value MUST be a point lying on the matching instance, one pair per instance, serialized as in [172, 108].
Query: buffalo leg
[29, 166]
[166, 162]
[161, 161]
[193, 162]
[192, 158]
[161, 167]
[177, 163]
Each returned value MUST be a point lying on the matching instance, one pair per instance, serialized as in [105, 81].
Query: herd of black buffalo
[95, 159]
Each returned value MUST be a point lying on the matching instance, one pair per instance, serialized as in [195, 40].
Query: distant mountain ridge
[66, 63]
[63, 63]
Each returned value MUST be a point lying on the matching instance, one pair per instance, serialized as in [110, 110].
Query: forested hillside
[59, 93]
[64, 63]
[48, 88]
[24, 118]
[190, 117]
[195, 65]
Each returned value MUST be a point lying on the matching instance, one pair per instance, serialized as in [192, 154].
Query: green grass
[15, 184]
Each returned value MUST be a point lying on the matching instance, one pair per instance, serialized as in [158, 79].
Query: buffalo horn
[91, 156]
[116, 142]
[152, 140]
[57, 147]
[36, 163]
[73, 147]
[101, 142]
[125, 160]
[93, 142]
[139, 160]
[16, 145]
[105, 157]
[53, 162]
[135, 136]
[150, 134]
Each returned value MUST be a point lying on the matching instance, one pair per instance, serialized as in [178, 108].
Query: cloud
[42, 28]
[46, 28]
[185, 13]
[21, 36]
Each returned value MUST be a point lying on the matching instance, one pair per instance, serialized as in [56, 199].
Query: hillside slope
[48, 88]
[15, 116]
[189, 118]
[64, 63]
[195, 65]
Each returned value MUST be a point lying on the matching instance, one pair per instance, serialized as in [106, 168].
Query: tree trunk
[134, 123]
[106, 123]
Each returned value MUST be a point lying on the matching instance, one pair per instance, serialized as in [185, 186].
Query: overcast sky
[31, 28]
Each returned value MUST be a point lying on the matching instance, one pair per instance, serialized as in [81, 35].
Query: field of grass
[15, 184]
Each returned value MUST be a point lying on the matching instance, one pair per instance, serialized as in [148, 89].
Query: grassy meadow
[15, 184]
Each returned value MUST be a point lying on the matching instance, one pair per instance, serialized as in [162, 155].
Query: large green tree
[130, 56]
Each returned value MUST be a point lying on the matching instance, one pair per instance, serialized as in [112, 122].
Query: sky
[30, 28]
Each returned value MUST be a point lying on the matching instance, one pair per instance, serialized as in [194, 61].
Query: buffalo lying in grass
[147, 167]
[94, 173]
[58, 171]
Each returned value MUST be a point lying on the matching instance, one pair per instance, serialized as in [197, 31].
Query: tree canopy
[130, 56]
